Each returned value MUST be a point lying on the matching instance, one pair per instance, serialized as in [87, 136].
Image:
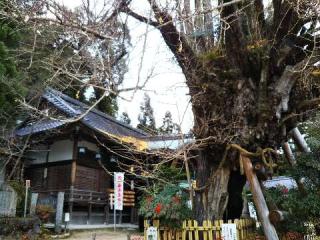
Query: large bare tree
[252, 75]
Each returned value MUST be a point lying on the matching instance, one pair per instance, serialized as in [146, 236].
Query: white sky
[166, 86]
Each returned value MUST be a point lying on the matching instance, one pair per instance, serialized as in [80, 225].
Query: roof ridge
[94, 110]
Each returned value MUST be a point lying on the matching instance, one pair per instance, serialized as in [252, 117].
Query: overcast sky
[166, 86]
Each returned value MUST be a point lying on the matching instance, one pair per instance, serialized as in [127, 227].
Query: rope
[262, 153]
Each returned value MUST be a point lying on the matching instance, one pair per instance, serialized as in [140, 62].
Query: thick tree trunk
[242, 92]
[214, 186]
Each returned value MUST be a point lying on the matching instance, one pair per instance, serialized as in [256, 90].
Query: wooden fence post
[184, 232]
[261, 205]
[146, 225]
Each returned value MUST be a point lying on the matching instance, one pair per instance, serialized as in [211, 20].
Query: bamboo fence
[210, 230]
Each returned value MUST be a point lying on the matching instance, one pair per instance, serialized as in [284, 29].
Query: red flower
[158, 208]
[285, 190]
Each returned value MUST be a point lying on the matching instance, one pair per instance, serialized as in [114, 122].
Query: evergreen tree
[146, 118]
[125, 118]
[168, 126]
[10, 82]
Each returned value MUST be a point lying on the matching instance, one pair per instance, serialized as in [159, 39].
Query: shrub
[302, 203]
[15, 226]
[169, 205]
[44, 212]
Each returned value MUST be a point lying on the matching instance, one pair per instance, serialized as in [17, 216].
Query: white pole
[114, 218]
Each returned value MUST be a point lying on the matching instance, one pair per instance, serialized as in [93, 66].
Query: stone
[59, 211]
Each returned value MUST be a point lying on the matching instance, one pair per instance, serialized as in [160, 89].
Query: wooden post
[73, 171]
[71, 202]
[74, 160]
[288, 153]
[188, 177]
[132, 213]
[258, 198]
[89, 212]
[120, 217]
[45, 173]
[106, 213]
[299, 140]
[89, 208]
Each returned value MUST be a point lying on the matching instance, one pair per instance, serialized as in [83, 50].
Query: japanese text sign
[229, 231]
[118, 190]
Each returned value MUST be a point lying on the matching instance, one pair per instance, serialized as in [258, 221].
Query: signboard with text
[229, 231]
[118, 190]
[152, 233]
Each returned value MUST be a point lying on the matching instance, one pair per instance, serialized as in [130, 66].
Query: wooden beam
[299, 140]
[288, 153]
[258, 198]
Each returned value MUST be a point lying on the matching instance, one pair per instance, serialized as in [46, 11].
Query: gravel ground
[99, 235]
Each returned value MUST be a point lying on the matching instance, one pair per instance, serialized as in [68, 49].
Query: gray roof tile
[73, 108]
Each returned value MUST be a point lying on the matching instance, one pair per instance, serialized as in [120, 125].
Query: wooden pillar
[258, 198]
[45, 171]
[73, 171]
[132, 213]
[120, 217]
[106, 213]
[132, 209]
[299, 140]
[89, 208]
[89, 212]
[70, 208]
[74, 160]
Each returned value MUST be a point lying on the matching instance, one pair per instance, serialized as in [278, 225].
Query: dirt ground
[99, 235]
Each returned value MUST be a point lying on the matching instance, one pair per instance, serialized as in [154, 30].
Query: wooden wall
[91, 179]
[58, 177]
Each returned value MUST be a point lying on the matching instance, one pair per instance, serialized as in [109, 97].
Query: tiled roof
[39, 127]
[74, 109]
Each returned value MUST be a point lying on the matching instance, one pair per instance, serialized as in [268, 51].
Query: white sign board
[229, 231]
[118, 190]
[252, 211]
[152, 233]
[28, 183]
[67, 217]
